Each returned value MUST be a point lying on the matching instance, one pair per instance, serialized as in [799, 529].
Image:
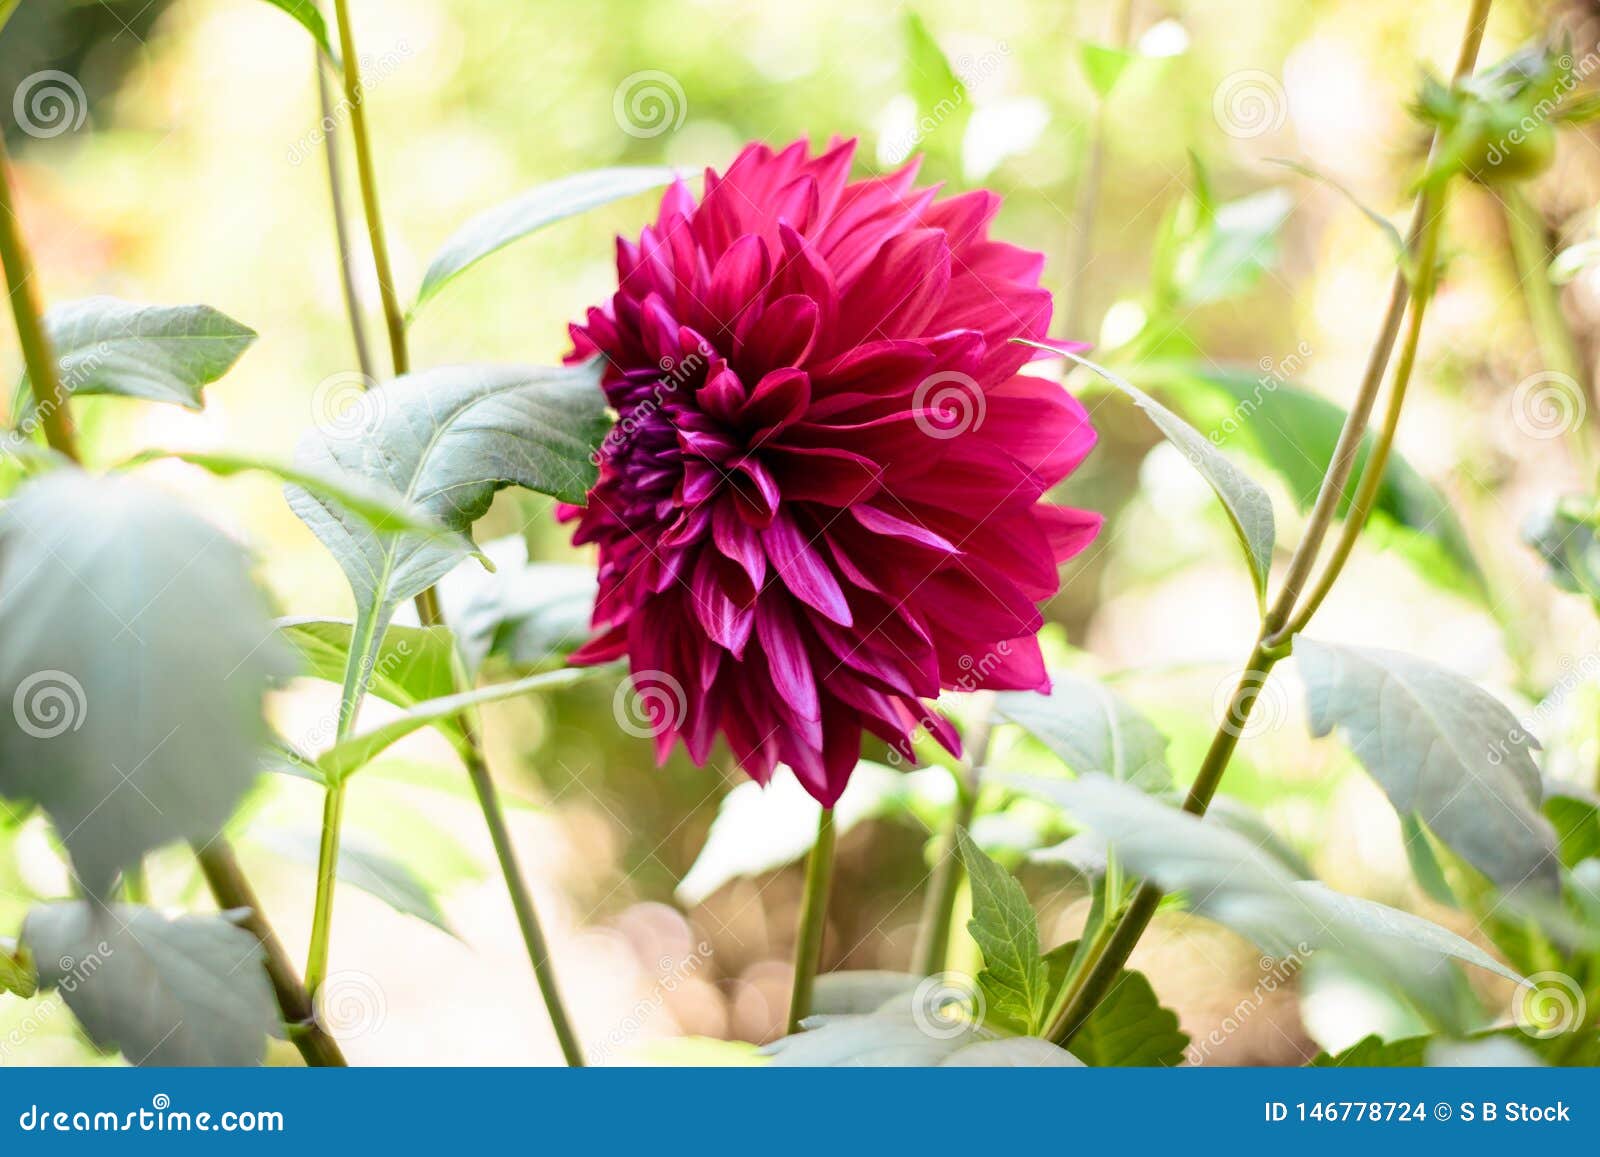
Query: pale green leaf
[1091, 729]
[1014, 981]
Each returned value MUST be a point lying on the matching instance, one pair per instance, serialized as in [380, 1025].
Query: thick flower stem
[229, 885]
[938, 905]
[429, 611]
[232, 890]
[1100, 971]
[813, 921]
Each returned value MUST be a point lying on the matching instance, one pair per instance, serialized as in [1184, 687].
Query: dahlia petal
[1068, 530]
[831, 477]
[738, 282]
[803, 571]
[778, 400]
[739, 541]
[786, 659]
[882, 522]
[782, 335]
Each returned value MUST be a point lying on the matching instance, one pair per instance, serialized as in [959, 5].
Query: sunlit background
[198, 175]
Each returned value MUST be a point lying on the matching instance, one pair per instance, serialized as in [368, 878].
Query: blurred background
[188, 167]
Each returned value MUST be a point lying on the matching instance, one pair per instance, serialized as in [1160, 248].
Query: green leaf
[1230, 249]
[1129, 1027]
[136, 652]
[7, 8]
[1373, 1052]
[1384, 226]
[365, 866]
[1563, 535]
[1575, 813]
[882, 1040]
[411, 664]
[760, 828]
[1228, 879]
[16, 969]
[528, 613]
[1092, 730]
[1248, 507]
[1293, 432]
[540, 206]
[189, 991]
[1443, 749]
[1580, 110]
[156, 352]
[934, 85]
[1103, 65]
[1017, 1052]
[345, 758]
[310, 18]
[1014, 981]
[369, 499]
[446, 440]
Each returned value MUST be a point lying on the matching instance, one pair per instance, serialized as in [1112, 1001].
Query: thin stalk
[341, 220]
[813, 920]
[232, 890]
[1355, 427]
[1361, 505]
[1558, 347]
[1088, 201]
[938, 904]
[227, 880]
[394, 317]
[1101, 971]
[429, 612]
[50, 401]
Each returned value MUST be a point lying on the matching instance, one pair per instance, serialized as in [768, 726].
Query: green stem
[355, 97]
[233, 892]
[341, 220]
[50, 401]
[228, 883]
[429, 611]
[813, 921]
[1101, 971]
[938, 904]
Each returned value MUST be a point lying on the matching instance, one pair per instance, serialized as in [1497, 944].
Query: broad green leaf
[1563, 534]
[446, 440]
[368, 499]
[157, 352]
[350, 755]
[365, 866]
[1413, 1052]
[1293, 432]
[1575, 813]
[16, 969]
[1129, 1027]
[540, 206]
[310, 18]
[1239, 818]
[1228, 879]
[1092, 730]
[1103, 65]
[941, 98]
[882, 1040]
[1232, 249]
[1443, 749]
[135, 652]
[188, 991]
[1248, 506]
[760, 828]
[1014, 981]
[528, 613]
[411, 663]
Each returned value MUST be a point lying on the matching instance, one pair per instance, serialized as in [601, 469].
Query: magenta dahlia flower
[821, 502]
